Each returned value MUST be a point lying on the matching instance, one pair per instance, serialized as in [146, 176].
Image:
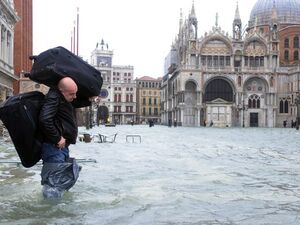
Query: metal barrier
[133, 136]
[107, 138]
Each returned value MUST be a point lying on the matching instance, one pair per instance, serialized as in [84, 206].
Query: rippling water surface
[183, 176]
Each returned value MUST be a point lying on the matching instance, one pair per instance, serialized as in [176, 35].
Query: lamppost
[297, 102]
[245, 108]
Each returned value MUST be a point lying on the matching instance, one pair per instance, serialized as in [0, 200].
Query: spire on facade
[193, 14]
[180, 20]
[237, 24]
[193, 23]
[255, 23]
[217, 18]
[273, 25]
[237, 16]
[274, 12]
[101, 45]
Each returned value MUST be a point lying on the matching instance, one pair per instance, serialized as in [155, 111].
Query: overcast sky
[140, 32]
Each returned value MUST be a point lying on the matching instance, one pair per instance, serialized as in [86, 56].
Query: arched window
[296, 55]
[219, 88]
[209, 61]
[256, 61]
[286, 55]
[286, 106]
[254, 102]
[261, 61]
[250, 103]
[131, 98]
[272, 81]
[239, 81]
[296, 42]
[283, 106]
[246, 60]
[227, 60]
[286, 43]
[252, 62]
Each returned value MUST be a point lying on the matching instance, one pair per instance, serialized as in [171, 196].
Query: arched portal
[190, 99]
[255, 111]
[218, 88]
[102, 114]
[219, 99]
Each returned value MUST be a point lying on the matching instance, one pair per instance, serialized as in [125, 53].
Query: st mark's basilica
[243, 77]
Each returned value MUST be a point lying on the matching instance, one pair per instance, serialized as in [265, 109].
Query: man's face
[69, 93]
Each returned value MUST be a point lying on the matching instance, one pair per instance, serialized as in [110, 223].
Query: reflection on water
[175, 176]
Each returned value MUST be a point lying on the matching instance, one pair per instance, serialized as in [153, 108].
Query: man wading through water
[58, 124]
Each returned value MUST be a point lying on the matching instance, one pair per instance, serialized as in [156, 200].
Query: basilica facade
[245, 78]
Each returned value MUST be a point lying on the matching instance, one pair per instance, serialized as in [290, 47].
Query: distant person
[170, 123]
[211, 123]
[284, 123]
[151, 123]
[292, 124]
[175, 122]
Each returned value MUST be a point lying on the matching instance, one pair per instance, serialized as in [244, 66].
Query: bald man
[58, 122]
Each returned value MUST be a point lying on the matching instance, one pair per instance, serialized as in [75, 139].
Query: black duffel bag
[20, 114]
[54, 64]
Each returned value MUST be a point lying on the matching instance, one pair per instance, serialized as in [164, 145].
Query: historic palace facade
[148, 99]
[250, 78]
[8, 20]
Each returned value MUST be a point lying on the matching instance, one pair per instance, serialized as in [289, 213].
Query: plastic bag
[59, 177]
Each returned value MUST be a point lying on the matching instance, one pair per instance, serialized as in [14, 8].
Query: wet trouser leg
[52, 154]
[58, 172]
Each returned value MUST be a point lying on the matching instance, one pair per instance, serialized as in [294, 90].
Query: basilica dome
[288, 12]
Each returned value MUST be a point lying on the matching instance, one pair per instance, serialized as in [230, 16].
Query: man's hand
[62, 142]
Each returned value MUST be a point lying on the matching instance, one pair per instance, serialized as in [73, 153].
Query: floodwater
[180, 176]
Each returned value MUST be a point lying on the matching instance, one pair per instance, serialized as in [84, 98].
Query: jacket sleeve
[48, 123]
[79, 103]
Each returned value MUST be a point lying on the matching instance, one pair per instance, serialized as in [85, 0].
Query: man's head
[68, 88]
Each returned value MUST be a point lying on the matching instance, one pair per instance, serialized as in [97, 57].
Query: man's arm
[47, 118]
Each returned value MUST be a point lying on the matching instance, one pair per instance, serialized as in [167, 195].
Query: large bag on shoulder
[56, 63]
[20, 114]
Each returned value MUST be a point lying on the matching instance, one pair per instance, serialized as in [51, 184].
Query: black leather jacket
[57, 118]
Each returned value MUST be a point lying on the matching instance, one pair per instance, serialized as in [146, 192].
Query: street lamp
[245, 108]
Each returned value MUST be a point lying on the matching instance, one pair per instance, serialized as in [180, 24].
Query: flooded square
[176, 175]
